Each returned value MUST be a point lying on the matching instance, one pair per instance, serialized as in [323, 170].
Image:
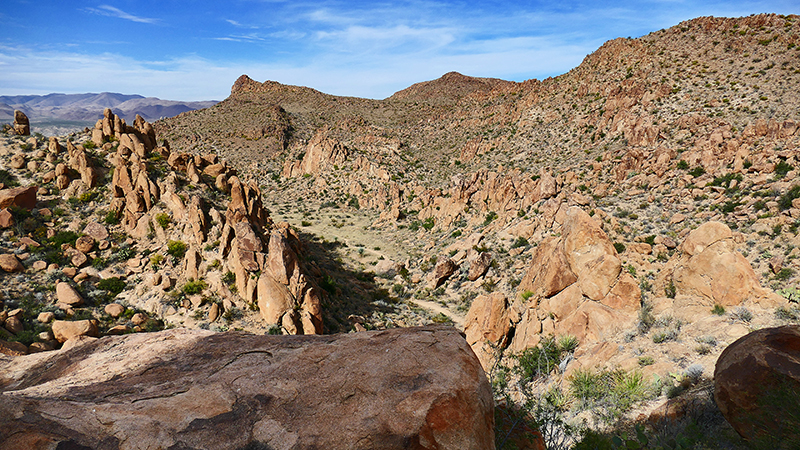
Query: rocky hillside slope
[644, 207]
[109, 232]
[688, 134]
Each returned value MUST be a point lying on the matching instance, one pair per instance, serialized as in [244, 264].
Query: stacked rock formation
[707, 270]
[22, 125]
[262, 255]
[575, 286]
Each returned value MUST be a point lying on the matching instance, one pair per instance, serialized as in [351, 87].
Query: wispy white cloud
[362, 37]
[252, 37]
[241, 25]
[110, 11]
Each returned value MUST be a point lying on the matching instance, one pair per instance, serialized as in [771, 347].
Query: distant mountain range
[88, 107]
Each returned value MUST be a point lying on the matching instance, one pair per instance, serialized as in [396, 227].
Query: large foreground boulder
[414, 388]
[757, 386]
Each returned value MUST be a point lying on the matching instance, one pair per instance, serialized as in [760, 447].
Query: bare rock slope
[417, 388]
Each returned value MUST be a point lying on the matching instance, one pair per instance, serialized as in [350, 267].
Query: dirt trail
[364, 246]
[439, 309]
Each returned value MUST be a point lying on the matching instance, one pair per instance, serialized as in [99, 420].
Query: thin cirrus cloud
[110, 11]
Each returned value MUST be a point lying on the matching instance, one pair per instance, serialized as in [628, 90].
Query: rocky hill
[643, 207]
[659, 177]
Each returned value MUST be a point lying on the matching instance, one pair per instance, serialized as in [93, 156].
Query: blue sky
[195, 50]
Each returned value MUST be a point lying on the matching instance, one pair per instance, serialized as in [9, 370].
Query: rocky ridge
[659, 176]
[652, 137]
[112, 233]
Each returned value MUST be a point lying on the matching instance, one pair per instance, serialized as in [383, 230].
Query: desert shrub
[441, 318]
[742, 313]
[489, 218]
[176, 249]
[646, 318]
[661, 336]
[520, 242]
[64, 237]
[784, 274]
[718, 310]
[88, 145]
[785, 200]
[619, 247]
[610, 393]
[646, 361]
[725, 181]
[787, 313]
[111, 217]
[682, 165]
[542, 359]
[526, 295]
[428, 223]
[328, 283]
[193, 287]
[697, 171]
[782, 168]
[163, 220]
[670, 290]
[155, 260]
[8, 179]
[113, 285]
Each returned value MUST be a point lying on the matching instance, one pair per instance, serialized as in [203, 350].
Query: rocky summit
[599, 237]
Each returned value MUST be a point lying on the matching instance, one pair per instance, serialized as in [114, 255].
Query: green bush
[490, 217]
[176, 249]
[8, 179]
[520, 242]
[193, 287]
[111, 217]
[114, 285]
[782, 168]
[64, 237]
[784, 274]
[619, 247]
[163, 220]
[610, 393]
[542, 359]
[697, 171]
[428, 223]
[670, 290]
[785, 200]
[682, 165]
[718, 310]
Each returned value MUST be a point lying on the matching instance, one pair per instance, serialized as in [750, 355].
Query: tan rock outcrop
[479, 266]
[441, 272]
[63, 330]
[10, 263]
[574, 286]
[487, 325]
[707, 270]
[67, 295]
[422, 386]
[22, 197]
[756, 386]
